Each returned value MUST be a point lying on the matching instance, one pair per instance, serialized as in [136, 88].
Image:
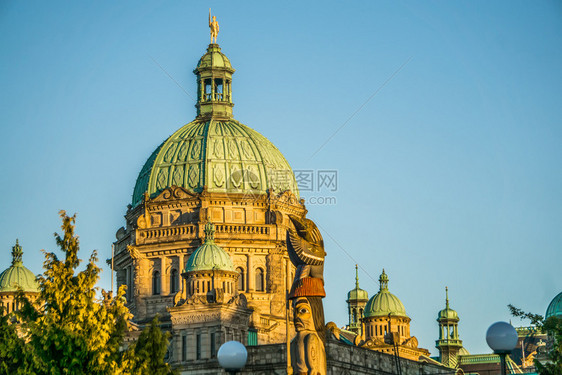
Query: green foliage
[69, 330]
[13, 359]
[146, 356]
[553, 327]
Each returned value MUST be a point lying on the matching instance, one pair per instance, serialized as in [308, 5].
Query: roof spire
[17, 253]
[383, 279]
[446, 297]
[356, 277]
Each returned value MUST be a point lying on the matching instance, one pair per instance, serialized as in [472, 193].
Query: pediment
[173, 193]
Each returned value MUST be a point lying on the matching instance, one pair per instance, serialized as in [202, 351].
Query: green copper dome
[555, 307]
[357, 294]
[214, 58]
[215, 150]
[18, 275]
[384, 302]
[225, 156]
[209, 256]
[447, 313]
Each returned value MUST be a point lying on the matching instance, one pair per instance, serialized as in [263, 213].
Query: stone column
[250, 276]
[165, 263]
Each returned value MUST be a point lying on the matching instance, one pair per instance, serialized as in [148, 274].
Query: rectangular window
[198, 353]
[184, 348]
[213, 346]
[252, 337]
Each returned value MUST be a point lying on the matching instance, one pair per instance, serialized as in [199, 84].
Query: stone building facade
[217, 175]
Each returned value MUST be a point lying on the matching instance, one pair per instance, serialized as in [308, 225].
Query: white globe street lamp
[232, 356]
[502, 339]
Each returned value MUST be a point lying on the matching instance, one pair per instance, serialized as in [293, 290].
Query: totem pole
[306, 251]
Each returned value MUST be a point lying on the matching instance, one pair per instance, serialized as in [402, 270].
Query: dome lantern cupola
[449, 344]
[214, 85]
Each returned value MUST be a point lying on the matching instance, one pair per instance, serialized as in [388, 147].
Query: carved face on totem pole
[303, 315]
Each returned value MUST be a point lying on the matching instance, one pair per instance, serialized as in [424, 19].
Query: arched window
[241, 278]
[260, 287]
[156, 283]
[174, 281]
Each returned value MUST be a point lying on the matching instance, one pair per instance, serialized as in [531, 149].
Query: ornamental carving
[177, 178]
[218, 150]
[173, 192]
[218, 175]
[134, 252]
[162, 179]
[170, 153]
[183, 151]
[196, 149]
[193, 176]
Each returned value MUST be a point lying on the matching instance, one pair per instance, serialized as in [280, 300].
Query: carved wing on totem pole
[306, 248]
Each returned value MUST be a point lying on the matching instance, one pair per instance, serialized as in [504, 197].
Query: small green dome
[225, 156]
[447, 313]
[384, 302]
[213, 59]
[555, 307]
[209, 256]
[17, 275]
[357, 294]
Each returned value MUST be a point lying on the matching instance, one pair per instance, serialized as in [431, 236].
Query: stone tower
[356, 300]
[449, 345]
[214, 169]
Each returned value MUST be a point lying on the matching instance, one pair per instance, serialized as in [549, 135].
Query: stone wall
[343, 359]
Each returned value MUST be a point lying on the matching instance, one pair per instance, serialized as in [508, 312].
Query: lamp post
[502, 339]
[232, 356]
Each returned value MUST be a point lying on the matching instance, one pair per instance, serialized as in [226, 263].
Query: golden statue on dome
[214, 26]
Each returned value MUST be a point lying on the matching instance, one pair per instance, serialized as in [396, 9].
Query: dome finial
[209, 232]
[356, 277]
[446, 297]
[214, 26]
[17, 253]
[383, 279]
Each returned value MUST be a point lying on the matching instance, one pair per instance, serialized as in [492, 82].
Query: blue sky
[449, 175]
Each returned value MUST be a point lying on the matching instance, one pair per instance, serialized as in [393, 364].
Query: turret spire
[17, 254]
[383, 279]
[209, 232]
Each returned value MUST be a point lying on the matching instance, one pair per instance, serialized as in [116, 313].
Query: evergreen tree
[69, 330]
[146, 356]
[553, 327]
